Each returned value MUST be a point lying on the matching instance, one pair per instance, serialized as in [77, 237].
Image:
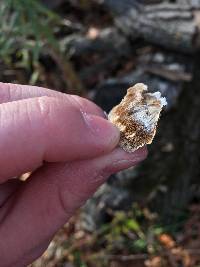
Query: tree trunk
[169, 178]
[174, 158]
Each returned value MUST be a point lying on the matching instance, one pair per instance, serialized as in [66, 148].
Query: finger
[46, 202]
[49, 129]
[14, 92]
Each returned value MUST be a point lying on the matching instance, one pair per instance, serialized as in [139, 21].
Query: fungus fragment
[137, 116]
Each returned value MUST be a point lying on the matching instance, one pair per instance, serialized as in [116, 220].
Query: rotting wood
[171, 25]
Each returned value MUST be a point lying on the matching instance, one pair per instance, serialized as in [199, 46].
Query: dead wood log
[108, 40]
[162, 71]
[109, 48]
[171, 25]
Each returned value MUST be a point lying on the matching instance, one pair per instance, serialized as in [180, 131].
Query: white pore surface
[148, 115]
[157, 95]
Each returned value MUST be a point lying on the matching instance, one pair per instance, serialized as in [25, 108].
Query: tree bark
[171, 25]
[110, 46]
[176, 170]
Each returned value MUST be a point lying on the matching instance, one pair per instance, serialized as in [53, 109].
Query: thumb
[47, 201]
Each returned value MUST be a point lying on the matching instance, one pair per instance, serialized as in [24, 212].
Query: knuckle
[45, 108]
[49, 109]
[52, 107]
[44, 105]
[57, 115]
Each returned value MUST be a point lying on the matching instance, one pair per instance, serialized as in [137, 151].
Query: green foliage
[26, 27]
[77, 259]
[131, 231]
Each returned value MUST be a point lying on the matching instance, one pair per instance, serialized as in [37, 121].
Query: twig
[173, 75]
[70, 77]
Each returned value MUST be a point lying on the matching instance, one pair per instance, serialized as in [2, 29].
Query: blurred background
[146, 216]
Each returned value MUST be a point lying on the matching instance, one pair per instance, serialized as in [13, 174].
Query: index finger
[49, 129]
[15, 92]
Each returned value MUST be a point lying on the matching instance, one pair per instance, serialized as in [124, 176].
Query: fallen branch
[172, 75]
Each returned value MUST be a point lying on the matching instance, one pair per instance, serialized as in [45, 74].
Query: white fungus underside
[146, 115]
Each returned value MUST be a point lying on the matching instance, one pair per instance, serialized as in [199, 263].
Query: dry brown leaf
[167, 241]
[156, 261]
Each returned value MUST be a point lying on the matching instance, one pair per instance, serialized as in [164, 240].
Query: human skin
[69, 147]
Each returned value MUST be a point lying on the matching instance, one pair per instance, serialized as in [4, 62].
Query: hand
[70, 149]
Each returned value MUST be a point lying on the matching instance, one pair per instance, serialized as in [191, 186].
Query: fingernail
[116, 161]
[139, 156]
[122, 160]
[104, 131]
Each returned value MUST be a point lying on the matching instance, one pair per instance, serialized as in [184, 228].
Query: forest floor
[130, 238]
[115, 245]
